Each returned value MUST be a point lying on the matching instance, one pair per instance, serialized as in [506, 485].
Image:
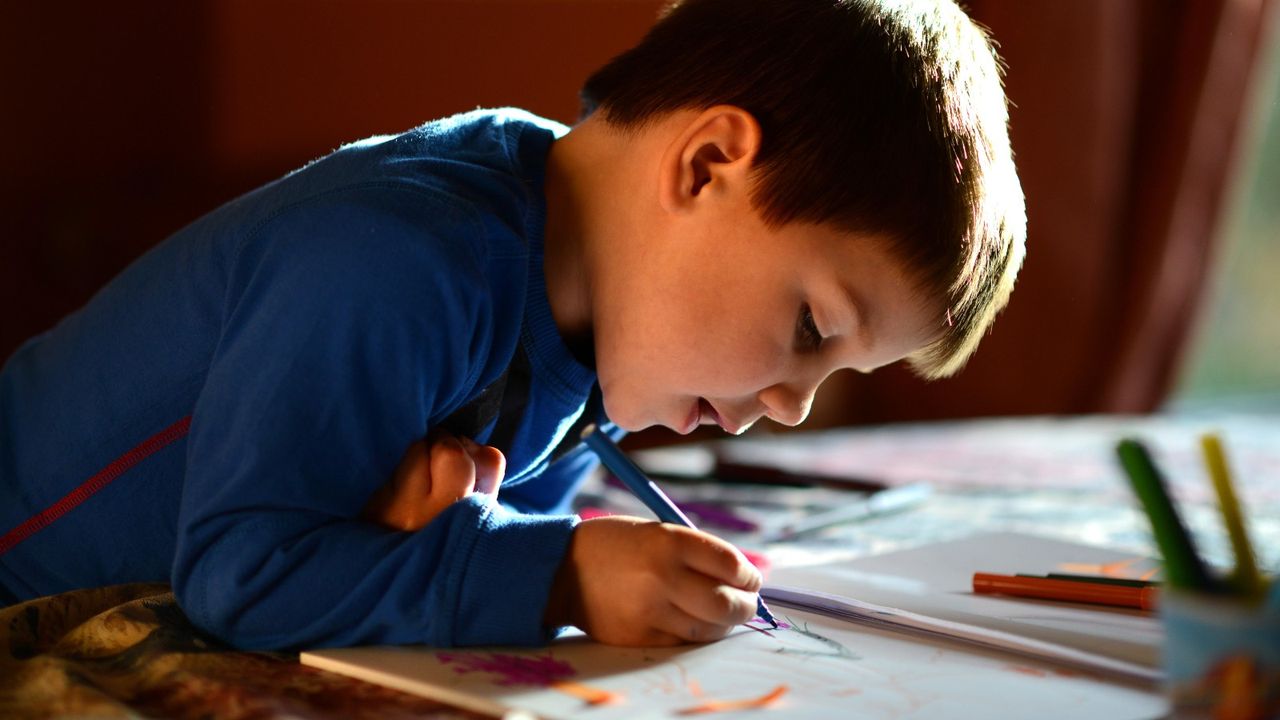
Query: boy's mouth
[692, 420]
[704, 413]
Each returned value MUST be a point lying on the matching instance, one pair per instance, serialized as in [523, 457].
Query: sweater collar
[549, 356]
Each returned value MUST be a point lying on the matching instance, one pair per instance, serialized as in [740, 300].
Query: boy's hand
[627, 581]
[434, 474]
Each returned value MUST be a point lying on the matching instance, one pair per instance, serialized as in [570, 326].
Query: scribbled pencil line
[836, 650]
[586, 693]
[669, 679]
[685, 680]
[714, 706]
[846, 692]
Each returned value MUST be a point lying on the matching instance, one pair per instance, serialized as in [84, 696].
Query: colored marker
[648, 492]
[1215, 460]
[1183, 567]
[1142, 598]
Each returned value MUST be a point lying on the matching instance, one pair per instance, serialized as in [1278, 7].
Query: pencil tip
[762, 612]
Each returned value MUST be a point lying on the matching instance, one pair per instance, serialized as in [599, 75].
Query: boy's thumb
[491, 466]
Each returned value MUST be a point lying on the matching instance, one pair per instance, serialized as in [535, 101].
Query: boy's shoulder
[477, 173]
[500, 149]
[467, 185]
[483, 137]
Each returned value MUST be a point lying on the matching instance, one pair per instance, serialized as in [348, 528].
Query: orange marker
[1143, 598]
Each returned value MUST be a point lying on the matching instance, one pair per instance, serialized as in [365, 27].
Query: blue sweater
[218, 414]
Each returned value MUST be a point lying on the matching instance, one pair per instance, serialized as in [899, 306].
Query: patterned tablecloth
[127, 651]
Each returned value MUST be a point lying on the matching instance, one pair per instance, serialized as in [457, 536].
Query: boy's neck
[581, 211]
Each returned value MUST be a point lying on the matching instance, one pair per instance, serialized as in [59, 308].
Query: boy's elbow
[210, 606]
[216, 590]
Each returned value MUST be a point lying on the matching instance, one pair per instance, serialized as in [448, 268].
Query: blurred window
[1235, 356]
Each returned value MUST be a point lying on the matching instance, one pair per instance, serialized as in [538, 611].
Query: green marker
[1183, 567]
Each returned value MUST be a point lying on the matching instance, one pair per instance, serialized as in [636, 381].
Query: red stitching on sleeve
[100, 480]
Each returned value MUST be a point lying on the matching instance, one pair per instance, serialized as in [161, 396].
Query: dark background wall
[121, 124]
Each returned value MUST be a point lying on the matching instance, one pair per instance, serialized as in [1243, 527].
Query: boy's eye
[807, 336]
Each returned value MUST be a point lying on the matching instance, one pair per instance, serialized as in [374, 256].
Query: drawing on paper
[713, 706]
[537, 670]
[833, 649]
[510, 669]
[759, 626]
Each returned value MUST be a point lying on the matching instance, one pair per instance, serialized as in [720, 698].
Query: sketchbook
[928, 591]
[816, 664]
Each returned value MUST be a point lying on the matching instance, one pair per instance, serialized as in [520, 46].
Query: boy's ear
[713, 153]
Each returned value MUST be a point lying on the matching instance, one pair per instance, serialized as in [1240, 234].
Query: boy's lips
[703, 413]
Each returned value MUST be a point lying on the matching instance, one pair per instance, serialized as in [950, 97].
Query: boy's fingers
[411, 476]
[453, 473]
[490, 464]
[677, 623]
[718, 559]
[710, 601]
[399, 504]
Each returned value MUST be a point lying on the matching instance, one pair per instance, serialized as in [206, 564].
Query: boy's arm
[343, 344]
[624, 580]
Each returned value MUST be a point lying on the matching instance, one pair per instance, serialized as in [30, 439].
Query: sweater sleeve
[348, 331]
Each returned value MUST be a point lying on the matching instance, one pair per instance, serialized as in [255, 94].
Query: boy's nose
[786, 405]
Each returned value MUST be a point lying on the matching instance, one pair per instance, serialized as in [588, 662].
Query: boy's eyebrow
[862, 317]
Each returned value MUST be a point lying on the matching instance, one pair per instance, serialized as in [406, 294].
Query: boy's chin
[624, 419]
[633, 425]
[635, 418]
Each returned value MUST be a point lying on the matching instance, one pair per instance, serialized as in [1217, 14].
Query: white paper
[933, 584]
[851, 671]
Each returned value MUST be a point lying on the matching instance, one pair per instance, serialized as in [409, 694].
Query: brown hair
[883, 117]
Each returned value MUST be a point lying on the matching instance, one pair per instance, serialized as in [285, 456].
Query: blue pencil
[647, 492]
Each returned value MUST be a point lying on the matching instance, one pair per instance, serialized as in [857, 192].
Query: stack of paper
[928, 591]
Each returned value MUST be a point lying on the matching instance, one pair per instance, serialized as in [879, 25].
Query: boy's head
[879, 126]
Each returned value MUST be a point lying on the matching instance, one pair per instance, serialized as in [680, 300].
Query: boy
[760, 193]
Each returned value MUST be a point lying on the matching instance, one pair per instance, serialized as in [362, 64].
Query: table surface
[1050, 476]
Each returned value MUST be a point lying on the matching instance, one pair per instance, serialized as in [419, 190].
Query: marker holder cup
[1221, 656]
